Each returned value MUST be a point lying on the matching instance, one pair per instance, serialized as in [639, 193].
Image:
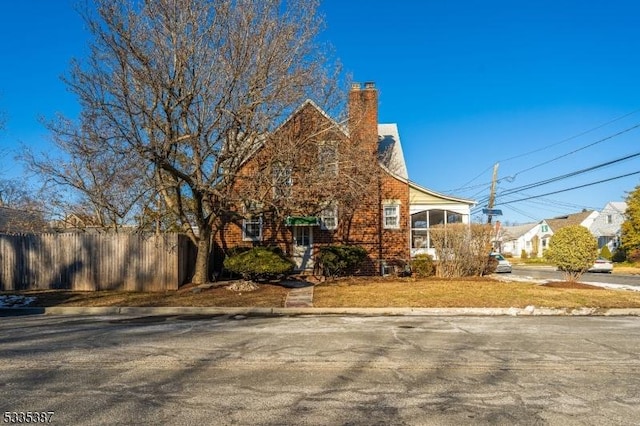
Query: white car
[602, 265]
[504, 266]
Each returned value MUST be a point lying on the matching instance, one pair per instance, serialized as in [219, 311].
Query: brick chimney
[363, 115]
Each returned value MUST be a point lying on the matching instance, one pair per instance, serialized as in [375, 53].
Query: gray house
[606, 227]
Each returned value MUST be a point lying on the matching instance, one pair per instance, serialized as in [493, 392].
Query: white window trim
[323, 217]
[396, 208]
[252, 221]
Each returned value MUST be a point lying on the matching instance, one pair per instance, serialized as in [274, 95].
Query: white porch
[427, 209]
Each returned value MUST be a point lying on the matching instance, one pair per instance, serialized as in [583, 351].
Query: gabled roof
[309, 102]
[390, 154]
[619, 206]
[389, 147]
[514, 232]
[601, 227]
[568, 220]
[416, 187]
[15, 221]
[390, 150]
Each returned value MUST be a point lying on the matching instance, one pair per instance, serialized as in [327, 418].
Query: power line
[464, 186]
[574, 137]
[572, 188]
[568, 175]
[576, 150]
[561, 177]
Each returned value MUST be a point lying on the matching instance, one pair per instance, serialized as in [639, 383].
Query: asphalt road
[322, 370]
[550, 273]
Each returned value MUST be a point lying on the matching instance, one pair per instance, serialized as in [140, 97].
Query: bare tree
[176, 95]
[307, 166]
[462, 249]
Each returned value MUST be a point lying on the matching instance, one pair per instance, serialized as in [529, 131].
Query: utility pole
[492, 194]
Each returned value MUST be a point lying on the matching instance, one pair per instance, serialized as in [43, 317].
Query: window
[544, 228]
[329, 218]
[422, 223]
[609, 219]
[391, 216]
[282, 180]
[328, 157]
[252, 223]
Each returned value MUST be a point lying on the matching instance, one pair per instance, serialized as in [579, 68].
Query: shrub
[422, 266]
[619, 255]
[605, 252]
[573, 249]
[523, 254]
[634, 256]
[340, 260]
[462, 249]
[260, 264]
[234, 251]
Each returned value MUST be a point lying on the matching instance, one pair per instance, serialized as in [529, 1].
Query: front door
[303, 247]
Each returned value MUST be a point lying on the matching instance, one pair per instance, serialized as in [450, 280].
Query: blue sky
[469, 83]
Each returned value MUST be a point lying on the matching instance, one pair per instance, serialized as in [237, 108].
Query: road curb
[432, 312]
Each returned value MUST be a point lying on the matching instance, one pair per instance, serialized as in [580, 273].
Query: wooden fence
[87, 262]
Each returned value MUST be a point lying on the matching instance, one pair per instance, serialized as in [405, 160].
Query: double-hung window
[252, 224]
[329, 218]
[391, 216]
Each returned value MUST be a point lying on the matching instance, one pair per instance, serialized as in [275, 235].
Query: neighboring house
[534, 238]
[392, 220]
[14, 221]
[514, 239]
[78, 222]
[549, 226]
[606, 227]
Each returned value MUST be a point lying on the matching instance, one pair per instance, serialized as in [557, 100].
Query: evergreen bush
[260, 264]
[523, 254]
[605, 252]
[341, 260]
[573, 249]
[619, 255]
[422, 266]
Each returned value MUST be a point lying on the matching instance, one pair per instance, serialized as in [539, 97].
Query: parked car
[601, 265]
[504, 266]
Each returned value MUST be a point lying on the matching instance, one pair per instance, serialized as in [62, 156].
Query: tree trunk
[201, 274]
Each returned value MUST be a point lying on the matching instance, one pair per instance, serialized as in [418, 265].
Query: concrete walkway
[300, 298]
[300, 294]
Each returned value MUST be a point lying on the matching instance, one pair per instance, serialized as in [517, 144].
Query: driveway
[322, 370]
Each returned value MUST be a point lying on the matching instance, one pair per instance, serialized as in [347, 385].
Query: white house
[534, 238]
[514, 239]
[606, 227]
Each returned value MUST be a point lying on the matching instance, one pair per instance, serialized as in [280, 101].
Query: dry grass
[266, 296]
[367, 292]
[441, 293]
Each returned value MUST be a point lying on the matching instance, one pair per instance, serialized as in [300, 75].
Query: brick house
[390, 217]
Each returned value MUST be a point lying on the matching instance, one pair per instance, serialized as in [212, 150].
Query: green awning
[302, 221]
